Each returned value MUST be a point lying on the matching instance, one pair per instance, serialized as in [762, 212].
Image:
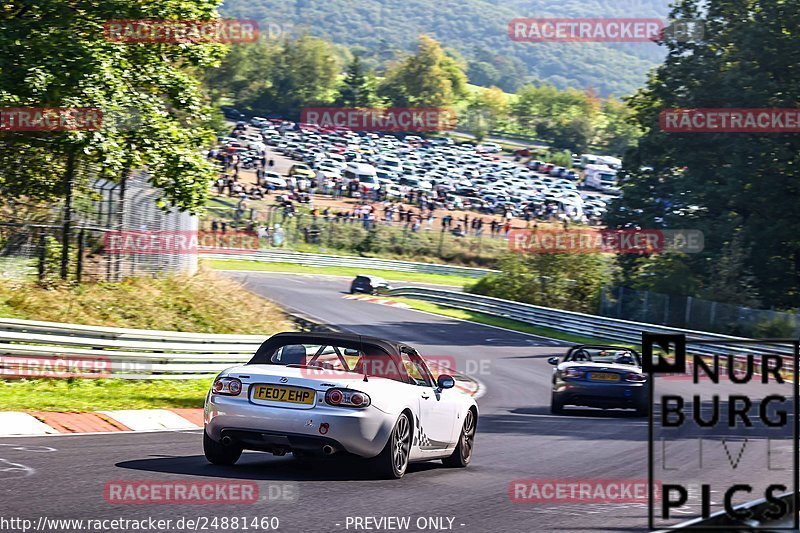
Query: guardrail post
[42, 255]
[688, 315]
[713, 314]
[81, 249]
[602, 300]
[644, 305]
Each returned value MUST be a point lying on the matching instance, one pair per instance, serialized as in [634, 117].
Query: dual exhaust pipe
[326, 449]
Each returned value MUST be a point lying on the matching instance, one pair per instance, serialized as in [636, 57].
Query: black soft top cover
[368, 345]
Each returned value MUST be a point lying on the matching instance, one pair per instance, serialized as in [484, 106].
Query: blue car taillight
[573, 373]
[635, 377]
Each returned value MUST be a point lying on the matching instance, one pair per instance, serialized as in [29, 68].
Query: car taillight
[227, 386]
[572, 373]
[635, 377]
[334, 396]
[346, 398]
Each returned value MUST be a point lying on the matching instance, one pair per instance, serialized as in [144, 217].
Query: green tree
[725, 184]
[155, 111]
[486, 110]
[566, 118]
[570, 134]
[303, 73]
[731, 280]
[483, 73]
[562, 159]
[664, 273]
[429, 78]
[618, 130]
[245, 71]
[358, 89]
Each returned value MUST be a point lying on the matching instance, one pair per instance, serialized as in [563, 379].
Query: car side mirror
[445, 382]
[553, 360]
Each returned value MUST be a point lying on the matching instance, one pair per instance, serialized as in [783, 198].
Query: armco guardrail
[11, 325]
[42, 349]
[31, 348]
[586, 325]
[285, 256]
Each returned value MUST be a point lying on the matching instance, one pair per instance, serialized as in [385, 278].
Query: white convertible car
[330, 393]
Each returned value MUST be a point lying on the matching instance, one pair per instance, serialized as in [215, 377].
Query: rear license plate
[603, 376]
[279, 393]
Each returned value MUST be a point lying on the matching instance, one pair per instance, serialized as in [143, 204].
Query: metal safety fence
[581, 324]
[35, 349]
[696, 313]
[325, 260]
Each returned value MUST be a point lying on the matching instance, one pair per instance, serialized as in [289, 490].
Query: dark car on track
[369, 285]
[607, 377]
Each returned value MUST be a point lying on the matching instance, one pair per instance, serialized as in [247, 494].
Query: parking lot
[432, 178]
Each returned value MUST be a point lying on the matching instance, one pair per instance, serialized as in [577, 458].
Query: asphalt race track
[517, 439]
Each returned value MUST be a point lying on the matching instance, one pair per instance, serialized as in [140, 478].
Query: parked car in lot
[365, 174]
[301, 170]
[367, 161]
[491, 148]
[273, 180]
[601, 177]
[599, 376]
[232, 114]
[331, 394]
[369, 285]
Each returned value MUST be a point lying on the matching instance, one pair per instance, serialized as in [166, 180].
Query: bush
[775, 328]
[564, 281]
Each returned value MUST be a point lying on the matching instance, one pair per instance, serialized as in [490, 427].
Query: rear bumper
[363, 432]
[268, 441]
[601, 394]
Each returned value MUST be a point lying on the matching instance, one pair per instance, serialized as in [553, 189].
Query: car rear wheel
[393, 460]
[556, 405]
[462, 455]
[219, 454]
[642, 409]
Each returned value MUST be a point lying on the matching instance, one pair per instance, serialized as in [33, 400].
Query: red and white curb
[376, 300]
[41, 423]
[17, 424]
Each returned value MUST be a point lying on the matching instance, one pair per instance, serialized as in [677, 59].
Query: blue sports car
[599, 376]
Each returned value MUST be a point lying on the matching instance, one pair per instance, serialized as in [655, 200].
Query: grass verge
[501, 322]
[420, 277]
[81, 395]
[203, 303]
